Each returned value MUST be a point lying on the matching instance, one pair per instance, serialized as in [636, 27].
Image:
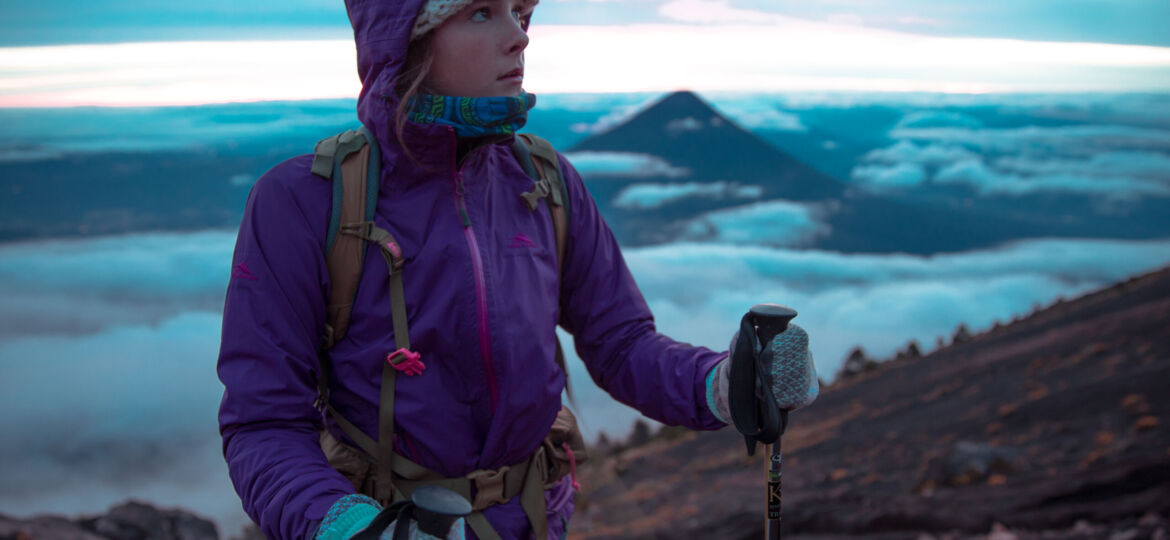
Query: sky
[117, 52]
[1138, 22]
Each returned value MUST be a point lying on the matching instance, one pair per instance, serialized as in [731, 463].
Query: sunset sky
[171, 52]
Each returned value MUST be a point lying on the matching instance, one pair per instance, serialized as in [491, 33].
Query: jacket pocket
[350, 463]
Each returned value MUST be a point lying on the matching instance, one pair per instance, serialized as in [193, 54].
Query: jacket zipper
[485, 344]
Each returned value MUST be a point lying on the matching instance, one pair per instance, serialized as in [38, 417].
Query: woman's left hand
[792, 378]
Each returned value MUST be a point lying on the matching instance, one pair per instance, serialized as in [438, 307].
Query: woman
[481, 306]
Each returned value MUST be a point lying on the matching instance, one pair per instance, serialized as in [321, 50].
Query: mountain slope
[1059, 417]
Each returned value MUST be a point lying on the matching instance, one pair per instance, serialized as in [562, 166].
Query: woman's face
[479, 52]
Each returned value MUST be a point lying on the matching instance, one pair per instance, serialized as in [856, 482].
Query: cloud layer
[1110, 161]
[648, 196]
[33, 134]
[623, 164]
[987, 181]
[769, 223]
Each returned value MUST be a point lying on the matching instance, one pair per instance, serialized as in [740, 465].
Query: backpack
[352, 162]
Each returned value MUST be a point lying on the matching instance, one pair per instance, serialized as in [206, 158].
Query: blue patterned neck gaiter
[473, 117]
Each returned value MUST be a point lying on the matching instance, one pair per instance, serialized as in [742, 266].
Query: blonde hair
[420, 56]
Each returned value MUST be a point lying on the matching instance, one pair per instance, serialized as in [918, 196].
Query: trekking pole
[772, 527]
[754, 409]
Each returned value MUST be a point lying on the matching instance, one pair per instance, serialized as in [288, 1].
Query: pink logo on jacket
[241, 271]
[521, 241]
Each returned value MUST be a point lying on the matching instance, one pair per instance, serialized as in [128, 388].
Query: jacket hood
[381, 33]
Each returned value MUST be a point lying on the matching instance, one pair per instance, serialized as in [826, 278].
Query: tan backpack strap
[549, 184]
[402, 359]
[543, 151]
[551, 187]
[560, 218]
[345, 258]
[355, 192]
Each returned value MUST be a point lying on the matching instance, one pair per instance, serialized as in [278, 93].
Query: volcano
[706, 163]
[687, 132]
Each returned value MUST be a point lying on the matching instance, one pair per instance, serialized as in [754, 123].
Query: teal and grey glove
[792, 375]
[353, 513]
[349, 515]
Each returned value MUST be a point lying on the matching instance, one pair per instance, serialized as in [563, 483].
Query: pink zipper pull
[407, 362]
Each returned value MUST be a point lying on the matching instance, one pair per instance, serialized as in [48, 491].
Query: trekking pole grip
[771, 320]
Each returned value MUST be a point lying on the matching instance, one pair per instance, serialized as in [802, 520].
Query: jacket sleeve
[273, 318]
[613, 329]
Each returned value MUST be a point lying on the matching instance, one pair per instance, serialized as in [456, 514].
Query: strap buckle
[407, 361]
[489, 487]
[392, 252]
[539, 191]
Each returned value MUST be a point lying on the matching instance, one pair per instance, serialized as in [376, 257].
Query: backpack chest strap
[484, 488]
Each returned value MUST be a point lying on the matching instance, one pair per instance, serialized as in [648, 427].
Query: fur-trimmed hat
[434, 12]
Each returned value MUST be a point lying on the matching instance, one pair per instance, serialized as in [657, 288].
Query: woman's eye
[481, 14]
[519, 15]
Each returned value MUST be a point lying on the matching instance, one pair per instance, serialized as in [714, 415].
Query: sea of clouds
[109, 345]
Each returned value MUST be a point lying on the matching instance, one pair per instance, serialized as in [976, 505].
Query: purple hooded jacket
[482, 303]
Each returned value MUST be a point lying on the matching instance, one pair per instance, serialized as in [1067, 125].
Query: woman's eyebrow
[527, 7]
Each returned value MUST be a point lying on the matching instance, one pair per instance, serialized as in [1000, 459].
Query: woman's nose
[518, 39]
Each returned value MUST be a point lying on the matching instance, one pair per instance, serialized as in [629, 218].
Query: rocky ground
[128, 521]
[1053, 426]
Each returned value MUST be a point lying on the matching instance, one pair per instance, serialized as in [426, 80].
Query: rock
[856, 363]
[190, 527]
[971, 462]
[48, 527]
[132, 521]
[138, 521]
[999, 532]
[1082, 527]
[128, 521]
[250, 532]
[961, 335]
